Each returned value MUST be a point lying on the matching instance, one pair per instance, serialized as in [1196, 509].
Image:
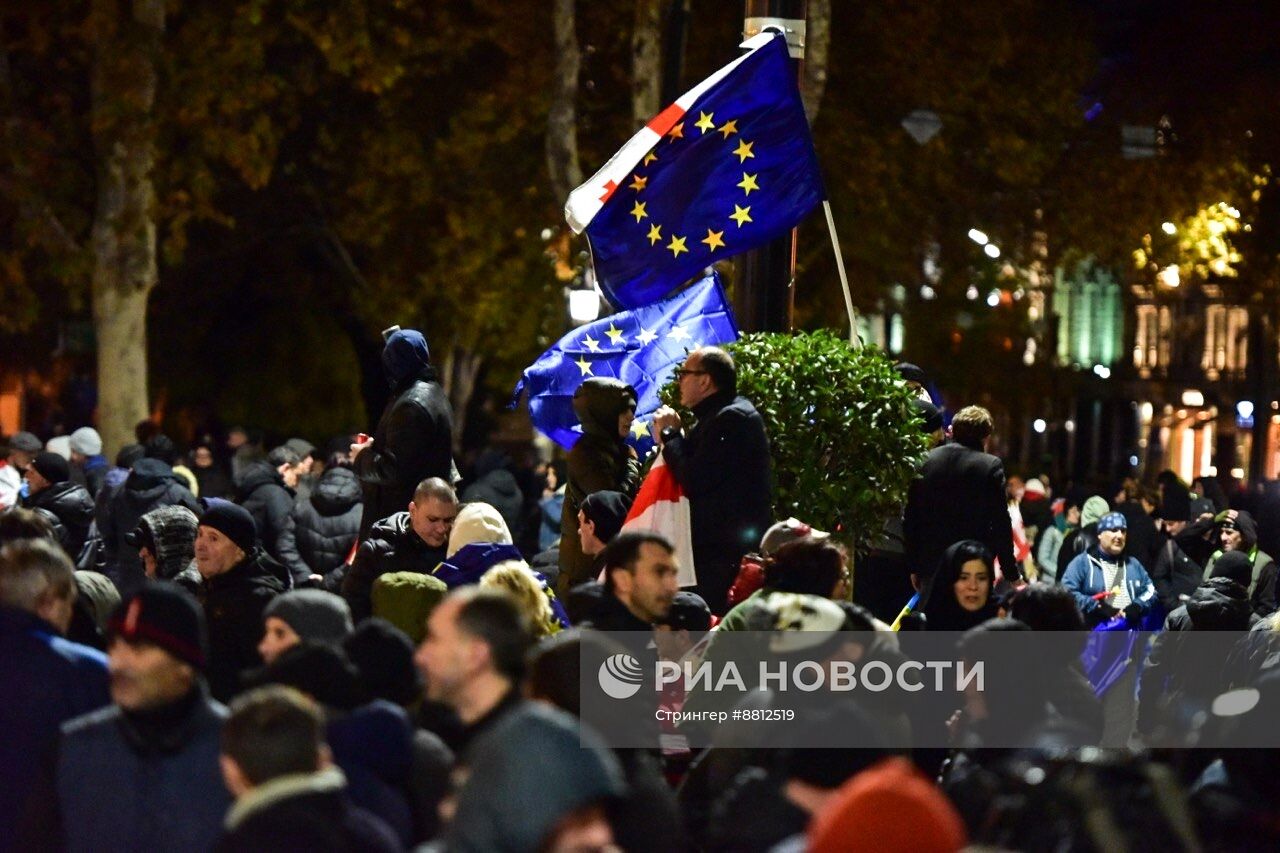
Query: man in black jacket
[262, 491]
[151, 484]
[723, 464]
[51, 490]
[289, 795]
[960, 494]
[414, 437]
[413, 541]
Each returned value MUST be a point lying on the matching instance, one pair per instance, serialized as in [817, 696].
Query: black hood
[1219, 604]
[255, 475]
[337, 492]
[149, 476]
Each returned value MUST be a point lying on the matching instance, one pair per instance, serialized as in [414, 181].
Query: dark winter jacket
[72, 506]
[94, 469]
[233, 604]
[46, 680]
[373, 744]
[1262, 583]
[600, 461]
[392, 546]
[1075, 543]
[263, 493]
[960, 494]
[123, 788]
[213, 481]
[1173, 572]
[311, 811]
[413, 441]
[328, 522]
[150, 484]
[497, 486]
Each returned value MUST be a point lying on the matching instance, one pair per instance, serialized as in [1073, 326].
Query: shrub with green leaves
[844, 434]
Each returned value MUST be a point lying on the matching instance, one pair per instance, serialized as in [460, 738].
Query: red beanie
[888, 808]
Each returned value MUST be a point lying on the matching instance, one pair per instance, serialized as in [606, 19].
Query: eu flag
[727, 167]
[640, 347]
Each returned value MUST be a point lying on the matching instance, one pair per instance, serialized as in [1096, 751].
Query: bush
[845, 439]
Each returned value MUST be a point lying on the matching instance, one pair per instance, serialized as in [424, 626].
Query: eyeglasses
[681, 373]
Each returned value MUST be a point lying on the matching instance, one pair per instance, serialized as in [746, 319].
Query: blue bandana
[1112, 521]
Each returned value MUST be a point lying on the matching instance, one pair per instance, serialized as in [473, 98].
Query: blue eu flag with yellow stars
[726, 168]
[640, 347]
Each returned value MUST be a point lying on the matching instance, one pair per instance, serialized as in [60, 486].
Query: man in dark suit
[724, 467]
[960, 494]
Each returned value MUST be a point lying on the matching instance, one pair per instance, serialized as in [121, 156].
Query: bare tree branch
[817, 44]
[562, 120]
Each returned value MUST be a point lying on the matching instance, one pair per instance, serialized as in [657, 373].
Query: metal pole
[764, 293]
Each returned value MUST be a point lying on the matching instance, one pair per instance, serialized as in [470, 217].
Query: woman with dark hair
[960, 595]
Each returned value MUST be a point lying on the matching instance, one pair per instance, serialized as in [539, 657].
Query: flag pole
[844, 276]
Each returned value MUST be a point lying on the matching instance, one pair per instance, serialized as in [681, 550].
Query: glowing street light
[977, 236]
[991, 250]
[1169, 228]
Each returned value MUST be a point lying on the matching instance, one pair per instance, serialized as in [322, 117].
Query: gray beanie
[313, 614]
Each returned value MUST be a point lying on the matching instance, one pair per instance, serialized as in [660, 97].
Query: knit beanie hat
[786, 532]
[1113, 521]
[890, 808]
[1238, 519]
[1235, 565]
[162, 614]
[477, 522]
[404, 355]
[233, 522]
[383, 654]
[86, 441]
[1093, 510]
[61, 445]
[1035, 488]
[52, 467]
[607, 511]
[129, 455]
[313, 614]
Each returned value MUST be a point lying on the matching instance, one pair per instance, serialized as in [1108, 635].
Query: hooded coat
[414, 437]
[599, 461]
[496, 485]
[263, 493]
[1262, 582]
[328, 522]
[173, 532]
[150, 485]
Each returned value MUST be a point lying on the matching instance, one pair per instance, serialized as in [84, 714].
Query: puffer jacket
[328, 522]
[72, 505]
[392, 546]
[150, 485]
[262, 492]
[600, 461]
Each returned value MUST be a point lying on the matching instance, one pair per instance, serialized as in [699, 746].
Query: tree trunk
[817, 42]
[562, 120]
[458, 375]
[646, 61]
[124, 232]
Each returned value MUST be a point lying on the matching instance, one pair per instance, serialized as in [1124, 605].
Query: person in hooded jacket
[960, 596]
[1237, 531]
[600, 461]
[150, 484]
[328, 521]
[262, 491]
[51, 490]
[496, 486]
[1084, 537]
[414, 438]
[240, 579]
[1175, 573]
[166, 543]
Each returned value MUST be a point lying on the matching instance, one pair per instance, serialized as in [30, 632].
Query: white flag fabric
[661, 507]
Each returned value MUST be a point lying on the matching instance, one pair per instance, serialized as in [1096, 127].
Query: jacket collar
[327, 781]
[708, 407]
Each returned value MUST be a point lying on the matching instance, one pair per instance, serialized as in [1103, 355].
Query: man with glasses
[723, 464]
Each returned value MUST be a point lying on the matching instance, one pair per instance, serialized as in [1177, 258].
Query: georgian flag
[661, 507]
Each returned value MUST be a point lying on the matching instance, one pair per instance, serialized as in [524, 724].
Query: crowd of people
[358, 648]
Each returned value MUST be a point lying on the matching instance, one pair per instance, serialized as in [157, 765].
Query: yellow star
[706, 122]
[743, 150]
[655, 233]
[741, 215]
[676, 246]
[714, 239]
[584, 366]
[649, 158]
[748, 183]
[614, 333]
[639, 429]
[677, 132]
[638, 211]
[637, 183]
[729, 128]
